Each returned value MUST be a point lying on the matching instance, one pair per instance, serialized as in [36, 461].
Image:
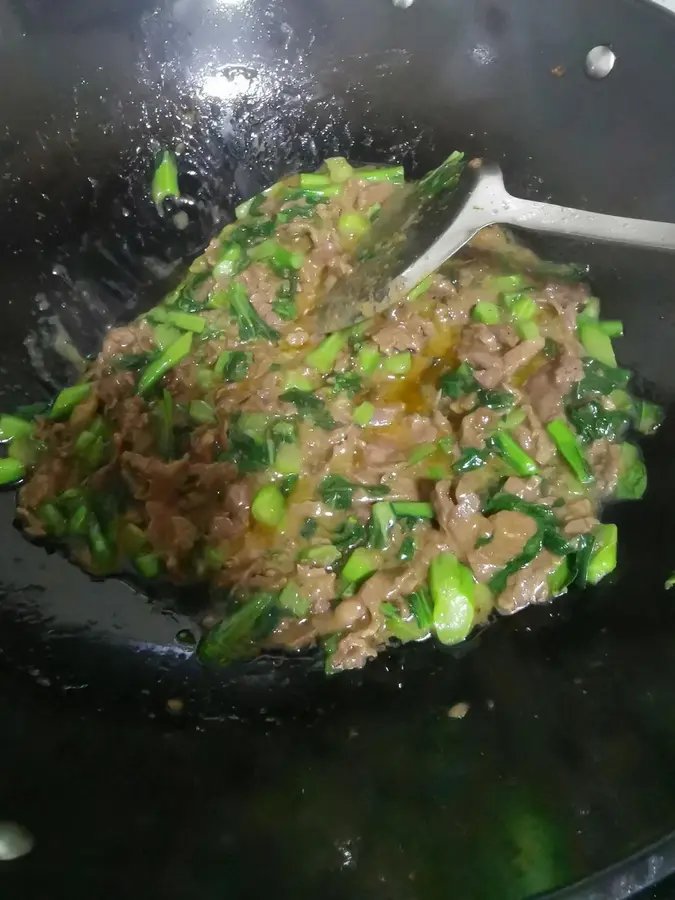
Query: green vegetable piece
[486, 312]
[314, 180]
[165, 335]
[202, 412]
[523, 308]
[512, 502]
[291, 600]
[309, 407]
[507, 284]
[285, 304]
[169, 359]
[251, 326]
[511, 452]
[68, 399]
[308, 528]
[232, 260]
[398, 363]
[568, 447]
[457, 383]
[600, 380]
[148, 565]
[632, 474]
[273, 252]
[446, 444]
[613, 328]
[559, 580]
[187, 321]
[513, 419]
[443, 177]
[335, 491]
[361, 564]
[165, 179]
[239, 635]
[452, 593]
[353, 225]
[583, 558]
[403, 629]
[52, 519]
[348, 383]
[527, 330]
[324, 556]
[670, 582]
[596, 343]
[592, 308]
[422, 608]
[288, 460]
[268, 506]
[233, 365]
[424, 451]
[603, 555]
[412, 509]
[592, 422]
[349, 535]
[649, 417]
[469, 460]
[382, 521]
[531, 549]
[102, 553]
[298, 381]
[393, 174]
[368, 359]
[78, 523]
[339, 169]
[494, 399]
[363, 413]
[407, 549]
[421, 288]
[323, 357]
[12, 427]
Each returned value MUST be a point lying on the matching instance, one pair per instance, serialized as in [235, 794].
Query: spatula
[427, 222]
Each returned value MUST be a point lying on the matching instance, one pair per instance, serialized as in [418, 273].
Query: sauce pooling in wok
[400, 479]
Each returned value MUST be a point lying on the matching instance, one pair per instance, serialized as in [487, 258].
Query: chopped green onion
[487, 313]
[353, 225]
[596, 343]
[268, 506]
[393, 174]
[407, 549]
[613, 328]
[314, 180]
[458, 382]
[290, 599]
[233, 365]
[281, 257]
[361, 565]
[323, 357]
[52, 520]
[324, 555]
[568, 446]
[421, 608]
[336, 492]
[165, 335]
[251, 326]
[368, 359]
[68, 399]
[527, 330]
[412, 509]
[165, 179]
[238, 636]
[363, 413]
[513, 419]
[513, 454]
[603, 556]
[170, 358]
[507, 284]
[523, 307]
[232, 260]
[12, 427]
[398, 363]
[421, 288]
[452, 592]
[649, 417]
[187, 321]
[299, 382]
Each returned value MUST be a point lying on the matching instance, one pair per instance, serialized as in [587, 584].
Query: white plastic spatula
[426, 223]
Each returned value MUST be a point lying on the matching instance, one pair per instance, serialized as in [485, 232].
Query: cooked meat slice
[605, 460]
[510, 532]
[128, 339]
[172, 536]
[533, 438]
[529, 584]
[354, 651]
[318, 585]
[477, 427]
[548, 387]
[261, 286]
[580, 526]
[462, 522]
[523, 353]
[526, 488]
[403, 332]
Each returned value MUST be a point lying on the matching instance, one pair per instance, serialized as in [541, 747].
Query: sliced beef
[477, 427]
[605, 460]
[529, 584]
[462, 522]
[510, 532]
[526, 488]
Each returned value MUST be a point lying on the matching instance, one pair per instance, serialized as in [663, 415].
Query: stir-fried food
[400, 479]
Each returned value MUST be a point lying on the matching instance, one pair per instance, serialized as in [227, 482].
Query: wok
[274, 778]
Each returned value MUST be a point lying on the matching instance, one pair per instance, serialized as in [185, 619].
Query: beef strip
[510, 532]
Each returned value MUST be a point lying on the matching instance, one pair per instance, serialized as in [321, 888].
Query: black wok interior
[274, 778]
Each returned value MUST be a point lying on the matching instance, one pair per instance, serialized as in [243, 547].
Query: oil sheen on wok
[401, 479]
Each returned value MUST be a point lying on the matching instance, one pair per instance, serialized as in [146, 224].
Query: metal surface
[274, 779]
[437, 229]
